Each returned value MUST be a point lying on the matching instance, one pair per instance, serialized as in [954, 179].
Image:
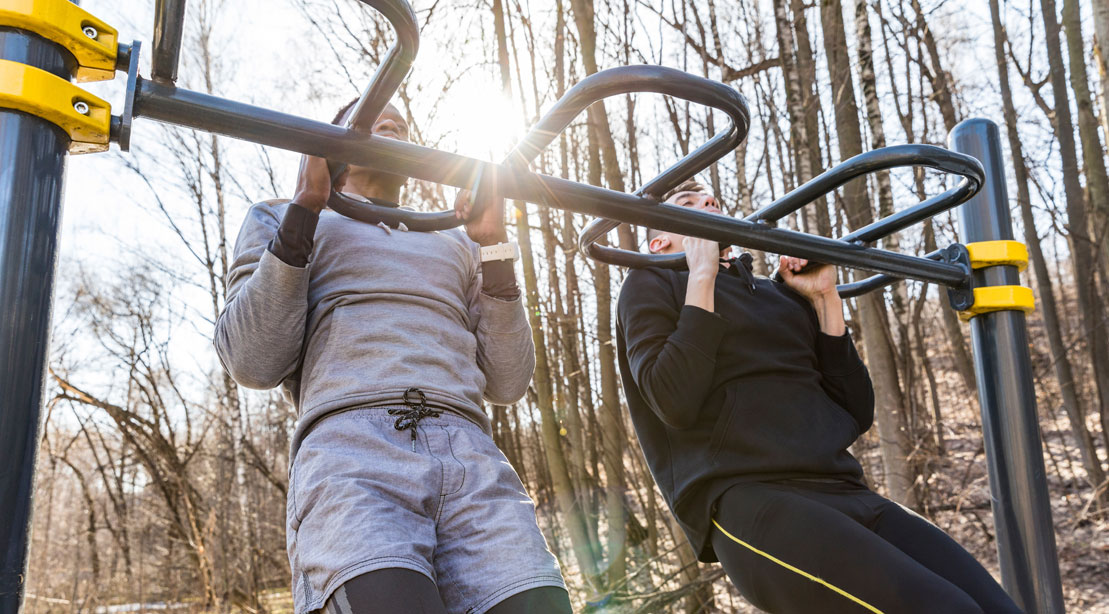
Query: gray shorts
[360, 499]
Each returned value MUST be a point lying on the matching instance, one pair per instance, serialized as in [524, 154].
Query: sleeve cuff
[701, 329]
[498, 280]
[837, 355]
[503, 316]
[294, 239]
[285, 279]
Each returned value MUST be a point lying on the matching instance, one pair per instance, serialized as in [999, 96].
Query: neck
[380, 187]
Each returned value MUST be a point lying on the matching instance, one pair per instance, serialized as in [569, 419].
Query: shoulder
[648, 285]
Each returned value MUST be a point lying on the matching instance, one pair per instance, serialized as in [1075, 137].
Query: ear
[658, 244]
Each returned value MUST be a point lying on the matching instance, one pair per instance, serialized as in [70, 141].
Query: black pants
[392, 591]
[801, 546]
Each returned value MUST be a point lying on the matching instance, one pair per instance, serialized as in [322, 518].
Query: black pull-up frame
[32, 155]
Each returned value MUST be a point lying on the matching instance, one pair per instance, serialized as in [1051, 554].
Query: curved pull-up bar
[385, 82]
[398, 61]
[644, 78]
[968, 168]
[639, 79]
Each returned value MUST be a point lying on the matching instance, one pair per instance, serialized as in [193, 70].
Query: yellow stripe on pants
[795, 570]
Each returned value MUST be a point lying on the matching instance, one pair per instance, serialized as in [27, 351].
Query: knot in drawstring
[744, 267]
[417, 409]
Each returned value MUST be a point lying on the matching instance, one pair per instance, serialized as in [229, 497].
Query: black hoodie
[752, 392]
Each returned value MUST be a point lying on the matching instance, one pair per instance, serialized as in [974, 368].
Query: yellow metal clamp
[91, 41]
[999, 298]
[84, 117]
[993, 253]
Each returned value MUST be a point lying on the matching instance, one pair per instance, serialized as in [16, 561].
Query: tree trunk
[552, 446]
[598, 116]
[1081, 243]
[1097, 185]
[1101, 57]
[881, 357]
[1072, 403]
[810, 105]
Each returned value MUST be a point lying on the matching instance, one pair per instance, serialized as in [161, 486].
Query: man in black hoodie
[745, 394]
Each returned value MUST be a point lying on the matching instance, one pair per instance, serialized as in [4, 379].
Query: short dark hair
[689, 185]
[343, 111]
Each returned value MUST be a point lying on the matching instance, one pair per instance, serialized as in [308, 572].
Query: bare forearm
[699, 291]
[829, 312]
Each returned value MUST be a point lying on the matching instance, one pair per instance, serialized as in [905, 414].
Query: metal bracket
[84, 117]
[121, 125]
[985, 299]
[1000, 298]
[995, 253]
[962, 296]
[91, 41]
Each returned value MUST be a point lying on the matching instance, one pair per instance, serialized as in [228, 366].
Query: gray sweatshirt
[374, 313]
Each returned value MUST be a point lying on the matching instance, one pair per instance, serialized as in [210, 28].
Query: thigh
[788, 551]
[542, 600]
[386, 591]
[489, 544]
[936, 550]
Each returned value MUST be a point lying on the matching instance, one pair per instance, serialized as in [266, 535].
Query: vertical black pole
[1022, 514]
[32, 163]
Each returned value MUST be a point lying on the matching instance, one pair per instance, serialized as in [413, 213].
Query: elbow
[249, 373]
[865, 415]
[506, 382]
[254, 380]
[505, 394]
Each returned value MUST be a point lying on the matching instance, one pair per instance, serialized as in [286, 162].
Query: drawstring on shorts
[417, 410]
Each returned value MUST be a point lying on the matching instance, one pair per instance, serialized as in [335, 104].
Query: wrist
[492, 239]
[311, 202]
[823, 296]
[702, 276]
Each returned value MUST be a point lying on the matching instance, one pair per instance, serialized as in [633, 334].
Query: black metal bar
[669, 81]
[872, 161]
[396, 64]
[1021, 503]
[169, 27]
[869, 162]
[376, 96]
[32, 158]
[901, 220]
[267, 127]
[874, 282]
[644, 78]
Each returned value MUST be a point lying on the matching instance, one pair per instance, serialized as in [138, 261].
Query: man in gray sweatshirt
[386, 341]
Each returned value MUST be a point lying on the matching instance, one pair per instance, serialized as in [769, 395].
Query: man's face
[391, 125]
[669, 242]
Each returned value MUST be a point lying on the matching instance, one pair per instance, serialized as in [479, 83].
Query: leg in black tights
[841, 550]
[386, 591]
[542, 600]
